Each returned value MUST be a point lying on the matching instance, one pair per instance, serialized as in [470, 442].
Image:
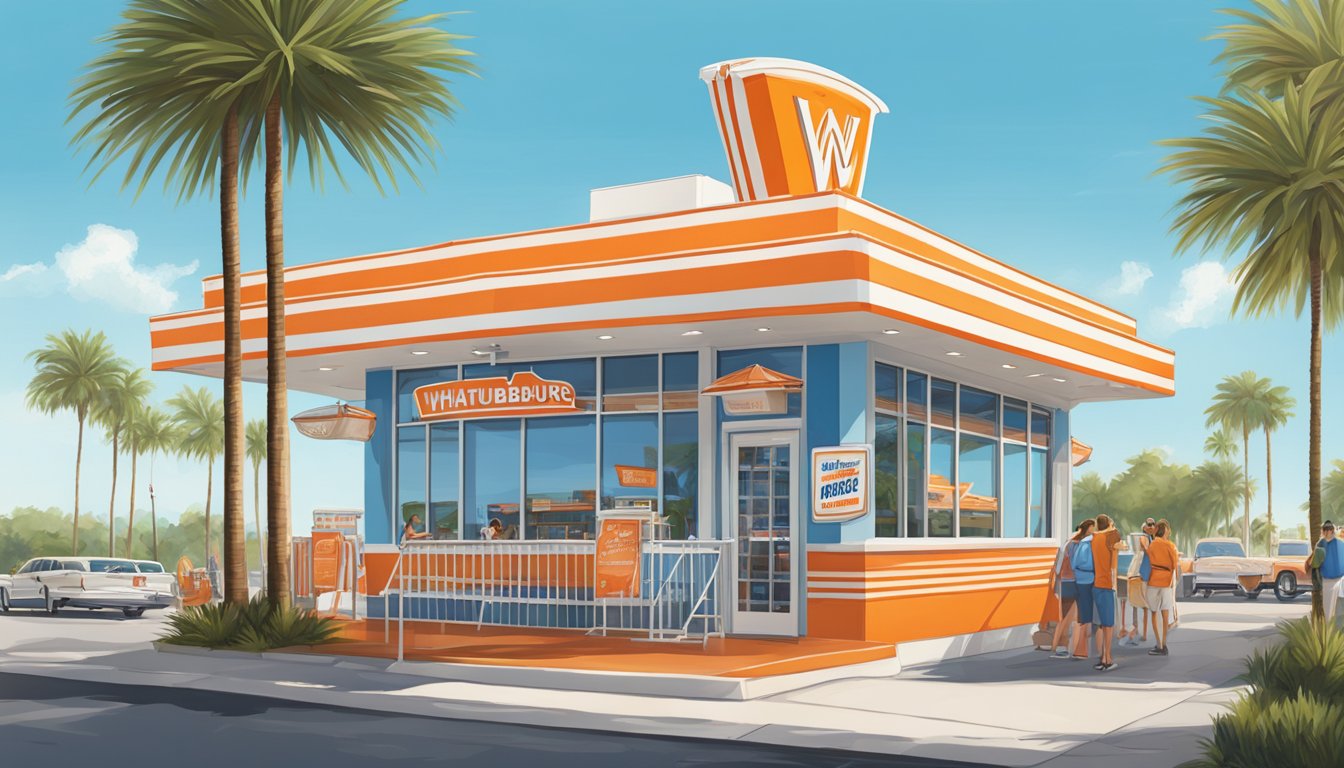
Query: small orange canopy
[754, 378]
[1081, 451]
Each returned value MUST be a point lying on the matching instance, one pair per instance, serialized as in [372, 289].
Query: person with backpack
[1066, 589]
[1326, 565]
[1084, 575]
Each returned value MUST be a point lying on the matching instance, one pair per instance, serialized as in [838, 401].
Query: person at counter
[409, 532]
[496, 530]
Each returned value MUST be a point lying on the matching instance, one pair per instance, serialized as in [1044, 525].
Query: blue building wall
[838, 400]
[378, 397]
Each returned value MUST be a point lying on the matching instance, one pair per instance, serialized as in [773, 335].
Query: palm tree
[1278, 409]
[1332, 494]
[1217, 487]
[1220, 444]
[1091, 497]
[1240, 404]
[256, 453]
[200, 424]
[72, 369]
[1267, 177]
[146, 105]
[321, 67]
[115, 408]
[149, 431]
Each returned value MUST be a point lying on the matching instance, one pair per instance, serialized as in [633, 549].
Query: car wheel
[1285, 587]
[46, 598]
[4, 600]
[132, 613]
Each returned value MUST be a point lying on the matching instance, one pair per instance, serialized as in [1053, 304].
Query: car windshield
[150, 567]
[111, 566]
[1294, 549]
[1219, 549]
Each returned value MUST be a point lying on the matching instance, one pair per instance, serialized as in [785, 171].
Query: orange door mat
[733, 657]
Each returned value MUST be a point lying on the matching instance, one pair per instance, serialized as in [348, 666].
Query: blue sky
[1025, 129]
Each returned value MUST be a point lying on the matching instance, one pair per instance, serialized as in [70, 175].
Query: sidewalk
[1015, 708]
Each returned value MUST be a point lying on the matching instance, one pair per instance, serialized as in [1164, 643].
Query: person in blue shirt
[1328, 567]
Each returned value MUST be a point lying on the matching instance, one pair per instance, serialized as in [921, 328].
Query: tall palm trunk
[277, 405]
[256, 511]
[79, 458]
[1246, 476]
[1314, 430]
[1269, 498]
[112, 502]
[130, 517]
[153, 514]
[235, 532]
[209, 491]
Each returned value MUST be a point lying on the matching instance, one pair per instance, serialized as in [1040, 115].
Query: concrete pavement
[1015, 708]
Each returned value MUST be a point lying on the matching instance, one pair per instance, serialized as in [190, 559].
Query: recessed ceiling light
[606, 337]
[1009, 366]
[324, 368]
[419, 352]
[762, 329]
[891, 332]
[1034, 375]
[953, 354]
[692, 333]
[1061, 381]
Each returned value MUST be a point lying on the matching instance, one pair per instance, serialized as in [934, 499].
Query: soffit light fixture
[325, 368]
[891, 332]
[494, 352]
[1061, 381]
[692, 333]
[762, 329]
[953, 354]
[1008, 366]
[606, 337]
[1034, 375]
[418, 352]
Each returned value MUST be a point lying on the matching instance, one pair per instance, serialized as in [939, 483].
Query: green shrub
[1297, 732]
[253, 627]
[1310, 660]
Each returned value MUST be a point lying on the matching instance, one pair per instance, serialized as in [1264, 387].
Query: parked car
[52, 583]
[1289, 575]
[1221, 565]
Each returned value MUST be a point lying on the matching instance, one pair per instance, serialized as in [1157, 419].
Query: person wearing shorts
[1080, 556]
[1161, 594]
[1066, 590]
[1104, 544]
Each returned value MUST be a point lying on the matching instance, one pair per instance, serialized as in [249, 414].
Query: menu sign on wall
[636, 477]
[526, 394]
[840, 483]
[326, 560]
[617, 561]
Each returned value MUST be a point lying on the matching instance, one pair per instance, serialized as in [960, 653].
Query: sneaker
[1099, 667]
[1107, 667]
[1164, 650]
[1062, 653]
[1155, 652]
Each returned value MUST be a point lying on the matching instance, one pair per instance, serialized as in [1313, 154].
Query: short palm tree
[116, 408]
[1220, 444]
[1217, 487]
[1278, 409]
[1241, 403]
[322, 69]
[150, 431]
[256, 453]
[1268, 174]
[200, 431]
[72, 369]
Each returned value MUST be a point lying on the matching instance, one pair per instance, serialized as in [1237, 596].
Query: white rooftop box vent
[646, 198]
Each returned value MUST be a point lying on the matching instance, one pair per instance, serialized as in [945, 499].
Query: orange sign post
[617, 561]
[526, 394]
[326, 561]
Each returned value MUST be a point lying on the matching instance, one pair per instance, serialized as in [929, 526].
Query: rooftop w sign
[828, 147]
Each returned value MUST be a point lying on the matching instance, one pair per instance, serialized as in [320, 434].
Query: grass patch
[255, 626]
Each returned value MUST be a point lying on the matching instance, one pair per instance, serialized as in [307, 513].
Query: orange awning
[754, 378]
[1081, 452]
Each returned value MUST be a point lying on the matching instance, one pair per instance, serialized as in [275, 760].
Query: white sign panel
[840, 482]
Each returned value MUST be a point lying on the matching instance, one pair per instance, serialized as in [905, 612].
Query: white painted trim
[934, 545]
[918, 652]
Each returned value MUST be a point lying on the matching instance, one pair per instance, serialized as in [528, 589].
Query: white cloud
[1200, 299]
[102, 268]
[1133, 276]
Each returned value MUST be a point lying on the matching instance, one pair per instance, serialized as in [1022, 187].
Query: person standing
[1328, 568]
[1161, 592]
[1104, 544]
[1066, 589]
[1080, 558]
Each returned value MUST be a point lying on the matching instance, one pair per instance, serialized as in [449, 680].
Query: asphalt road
[53, 722]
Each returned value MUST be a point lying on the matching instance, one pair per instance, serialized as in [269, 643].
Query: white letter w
[829, 147]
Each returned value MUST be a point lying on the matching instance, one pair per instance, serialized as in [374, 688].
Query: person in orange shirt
[1161, 595]
[1104, 544]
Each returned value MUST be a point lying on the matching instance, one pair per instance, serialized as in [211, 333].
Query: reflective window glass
[887, 383]
[561, 471]
[630, 461]
[492, 487]
[411, 478]
[1040, 427]
[681, 472]
[942, 479]
[630, 383]
[681, 381]
[915, 496]
[1014, 420]
[1039, 522]
[887, 453]
[979, 412]
[944, 398]
[443, 480]
[917, 396]
[977, 484]
[581, 373]
[407, 381]
[1014, 490]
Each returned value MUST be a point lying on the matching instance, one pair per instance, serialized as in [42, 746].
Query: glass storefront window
[1040, 489]
[411, 478]
[407, 381]
[887, 382]
[786, 360]
[561, 469]
[944, 397]
[492, 483]
[681, 473]
[443, 480]
[582, 373]
[681, 381]
[942, 488]
[887, 455]
[1014, 420]
[630, 441]
[630, 383]
[1040, 427]
[917, 396]
[977, 483]
[915, 496]
[979, 412]
[1014, 490]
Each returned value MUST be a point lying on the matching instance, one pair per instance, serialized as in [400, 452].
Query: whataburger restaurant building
[875, 416]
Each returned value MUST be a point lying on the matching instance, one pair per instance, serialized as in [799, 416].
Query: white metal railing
[549, 583]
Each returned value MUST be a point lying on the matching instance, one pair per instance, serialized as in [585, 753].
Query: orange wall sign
[526, 394]
[617, 562]
[840, 483]
[636, 477]
[326, 560]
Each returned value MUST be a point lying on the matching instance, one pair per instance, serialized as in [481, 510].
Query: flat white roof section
[647, 198]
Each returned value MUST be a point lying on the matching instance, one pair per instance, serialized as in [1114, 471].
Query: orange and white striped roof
[827, 258]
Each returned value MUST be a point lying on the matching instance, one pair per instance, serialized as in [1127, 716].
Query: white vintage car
[52, 583]
[1221, 564]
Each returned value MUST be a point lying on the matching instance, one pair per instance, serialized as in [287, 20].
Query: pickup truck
[1221, 565]
[1289, 574]
[53, 583]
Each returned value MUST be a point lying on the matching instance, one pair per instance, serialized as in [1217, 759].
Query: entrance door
[763, 489]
